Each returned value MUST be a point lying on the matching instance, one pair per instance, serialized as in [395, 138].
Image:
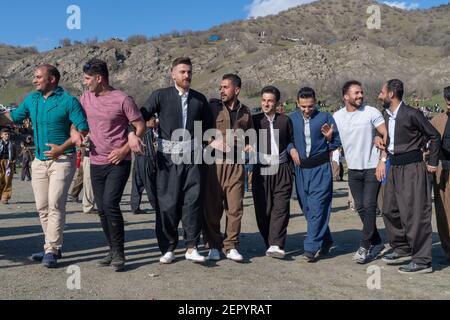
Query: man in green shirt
[54, 114]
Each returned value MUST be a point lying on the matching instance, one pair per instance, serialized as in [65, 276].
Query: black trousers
[271, 195]
[407, 211]
[365, 187]
[138, 182]
[178, 189]
[108, 184]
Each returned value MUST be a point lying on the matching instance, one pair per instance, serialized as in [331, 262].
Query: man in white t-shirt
[358, 125]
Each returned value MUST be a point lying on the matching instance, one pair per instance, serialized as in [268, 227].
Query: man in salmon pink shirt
[110, 111]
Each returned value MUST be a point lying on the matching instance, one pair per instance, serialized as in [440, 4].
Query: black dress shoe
[138, 212]
[414, 268]
[310, 256]
[396, 258]
[325, 249]
[106, 261]
[118, 260]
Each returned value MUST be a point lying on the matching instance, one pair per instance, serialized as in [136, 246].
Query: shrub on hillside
[137, 39]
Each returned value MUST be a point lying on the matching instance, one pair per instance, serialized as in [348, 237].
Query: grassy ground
[10, 94]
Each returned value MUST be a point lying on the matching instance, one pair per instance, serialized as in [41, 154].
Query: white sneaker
[276, 252]
[235, 255]
[361, 256]
[214, 255]
[167, 258]
[195, 256]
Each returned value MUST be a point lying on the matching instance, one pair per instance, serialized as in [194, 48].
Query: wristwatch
[383, 159]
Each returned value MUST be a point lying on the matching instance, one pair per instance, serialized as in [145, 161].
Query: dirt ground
[259, 277]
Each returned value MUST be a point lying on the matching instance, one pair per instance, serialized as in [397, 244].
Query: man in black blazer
[180, 111]
[407, 201]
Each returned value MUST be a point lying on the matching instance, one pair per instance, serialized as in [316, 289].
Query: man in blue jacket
[315, 137]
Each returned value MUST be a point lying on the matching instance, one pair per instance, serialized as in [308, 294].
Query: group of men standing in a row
[377, 148]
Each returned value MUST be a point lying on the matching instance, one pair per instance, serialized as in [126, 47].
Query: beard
[227, 100]
[386, 104]
[185, 84]
[357, 103]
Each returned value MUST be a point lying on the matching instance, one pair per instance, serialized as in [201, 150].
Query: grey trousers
[408, 210]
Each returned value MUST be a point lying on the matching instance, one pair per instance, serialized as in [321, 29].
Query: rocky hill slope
[321, 44]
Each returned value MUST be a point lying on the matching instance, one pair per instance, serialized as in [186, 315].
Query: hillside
[322, 44]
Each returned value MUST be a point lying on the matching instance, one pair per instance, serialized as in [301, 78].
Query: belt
[270, 160]
[406, 158]
[315, 161]
[177, 147]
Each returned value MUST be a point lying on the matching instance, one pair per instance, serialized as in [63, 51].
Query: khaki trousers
[5, 181]
[225, 190]
[88, 193]
[336, 170]
[77, 183]
[51, 181]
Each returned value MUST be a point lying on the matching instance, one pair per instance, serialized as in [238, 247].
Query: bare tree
[92, 41]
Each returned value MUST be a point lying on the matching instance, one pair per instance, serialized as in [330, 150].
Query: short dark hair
[272, 90]
[349, 84]
[52, 71]
[306, 93]
[181, 60]
[396, 86]
[447, 93]
[234, 78]
[96, 67]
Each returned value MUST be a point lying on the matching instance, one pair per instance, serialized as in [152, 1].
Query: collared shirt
[392, 119]
[4, 149]
[184, 104]
[275, 151]
[51, 118]
[233, 115]
[307, 136]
